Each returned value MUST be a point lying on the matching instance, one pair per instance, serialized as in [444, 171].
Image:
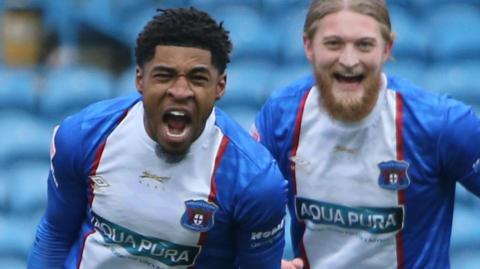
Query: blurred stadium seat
[399, 3]
[465, 242]
[465, 233]
[280, 6]
[208, 5]
[24, 137]
[3, 192]
[291, 39]
[458, 79]
[13, 263]
[133, 22]
[453, 32]
[286, 74]
[466, 259]
[410, 37]
[133, 15]
[18, 88]
[251, 34]
[27, 187]
[426, 6]
[246, 82]
[69, 89]
[407, 68]
[125, 82]
[16, 236]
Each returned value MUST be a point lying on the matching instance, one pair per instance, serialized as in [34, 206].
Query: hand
[296, 263]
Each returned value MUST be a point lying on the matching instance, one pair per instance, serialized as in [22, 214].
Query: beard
[348, 106]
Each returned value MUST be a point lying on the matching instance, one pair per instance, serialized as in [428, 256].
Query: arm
[460, 148]
[260, 216]
[261, 130]
[65, 211]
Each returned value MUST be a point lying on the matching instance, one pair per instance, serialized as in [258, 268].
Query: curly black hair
[186, 27]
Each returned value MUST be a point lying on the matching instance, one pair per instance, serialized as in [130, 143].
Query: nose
[348, 57]
[180, 88]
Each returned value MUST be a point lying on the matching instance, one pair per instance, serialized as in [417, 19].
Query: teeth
[172, 134]
[349, 75]
[178, 113]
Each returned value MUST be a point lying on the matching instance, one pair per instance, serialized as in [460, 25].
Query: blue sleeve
[262, 129]
[460, 147]
[65, 211]
[275, 123]
[260, 215]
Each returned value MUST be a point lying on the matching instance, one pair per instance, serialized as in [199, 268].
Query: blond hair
[376, 9]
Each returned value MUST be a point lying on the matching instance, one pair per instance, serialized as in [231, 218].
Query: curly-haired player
[163, 179]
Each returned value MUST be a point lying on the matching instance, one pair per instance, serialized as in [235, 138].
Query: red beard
[350, 110]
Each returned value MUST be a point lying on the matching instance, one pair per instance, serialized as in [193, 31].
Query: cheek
[324, 59]
[154, 91]
[206, 101]
[374, 62]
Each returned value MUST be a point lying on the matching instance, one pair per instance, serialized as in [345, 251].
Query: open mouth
[344, 78]
[177, 122]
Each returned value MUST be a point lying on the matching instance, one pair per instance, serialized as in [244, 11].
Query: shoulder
[97, 114]
[280, 110]
[247, 170]
[432, 114]
[413, 95]
[78, 135]
[242, 147]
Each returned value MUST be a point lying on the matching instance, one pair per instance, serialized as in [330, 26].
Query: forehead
[181, 58]
[348, 24]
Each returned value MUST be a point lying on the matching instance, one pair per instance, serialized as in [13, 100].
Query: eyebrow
[164, 68]
[370, 39]
[361, 39]
[199, 69]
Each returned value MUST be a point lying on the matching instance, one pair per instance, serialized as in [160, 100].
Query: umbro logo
[99, 182]
[147, 174]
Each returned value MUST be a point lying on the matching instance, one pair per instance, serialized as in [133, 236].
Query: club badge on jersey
[199, 215]
[393, 175]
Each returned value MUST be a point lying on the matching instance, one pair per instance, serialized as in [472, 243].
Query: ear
[387, 54]
[220, 88]
[139, 79]
[308, 47]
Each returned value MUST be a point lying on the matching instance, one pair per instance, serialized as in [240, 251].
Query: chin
[171, 154]
[346, 105]
[348, 98]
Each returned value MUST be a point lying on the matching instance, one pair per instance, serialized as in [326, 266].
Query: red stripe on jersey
[96, 163]
[212, 197]
[293, 153]
[296, 138]
[401, 193]
[93, 171]
[213, 185]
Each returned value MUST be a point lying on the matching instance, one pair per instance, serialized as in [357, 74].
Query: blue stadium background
[58, 56]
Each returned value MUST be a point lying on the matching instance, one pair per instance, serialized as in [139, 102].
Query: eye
[163, 76]
[198, 79]
[365, 45]
[333, 44]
